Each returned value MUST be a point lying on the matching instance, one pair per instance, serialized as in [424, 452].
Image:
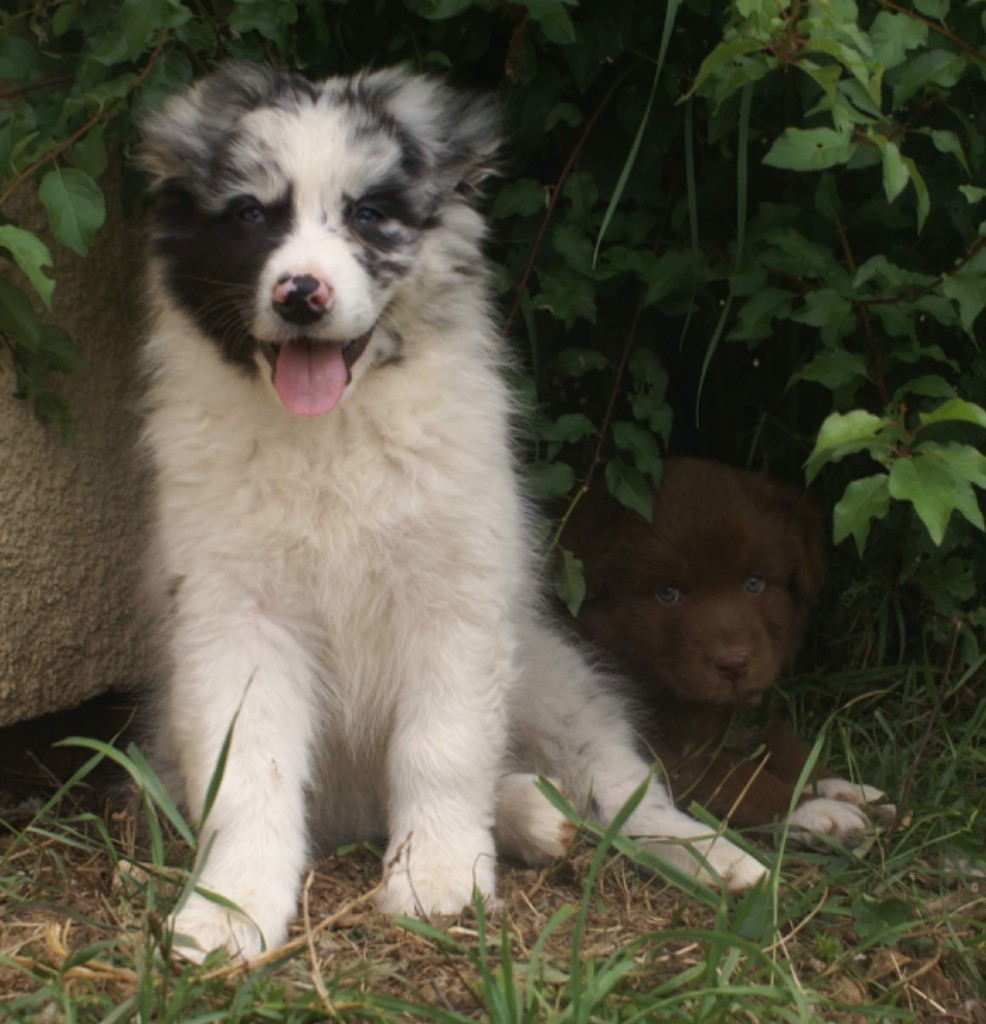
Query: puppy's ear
[182, 138]
[454, 133]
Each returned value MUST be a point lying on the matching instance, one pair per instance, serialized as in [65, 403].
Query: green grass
[891, 930]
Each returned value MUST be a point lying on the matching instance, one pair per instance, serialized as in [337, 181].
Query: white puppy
[341, 554]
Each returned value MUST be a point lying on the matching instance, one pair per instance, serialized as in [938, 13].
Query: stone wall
[70, 534]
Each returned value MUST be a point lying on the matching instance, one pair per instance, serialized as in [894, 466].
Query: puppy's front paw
[724, 864]
[874, 801]
[737, 869]
[528, 826]
[423, 880]
[202, 926]
[823, 816]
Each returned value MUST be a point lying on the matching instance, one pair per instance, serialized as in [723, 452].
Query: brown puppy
[701, 609]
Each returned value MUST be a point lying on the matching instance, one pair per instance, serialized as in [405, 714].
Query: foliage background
[752, 231]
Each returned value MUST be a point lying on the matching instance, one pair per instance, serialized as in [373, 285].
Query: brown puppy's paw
[872, 800]
[822, 816]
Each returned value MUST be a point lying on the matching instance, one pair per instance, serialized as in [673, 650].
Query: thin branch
[876, 365]
[624, 359]
[583, 488]
[47, 83]
[555, 193]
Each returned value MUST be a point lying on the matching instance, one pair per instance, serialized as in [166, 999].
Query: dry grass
[853, 938]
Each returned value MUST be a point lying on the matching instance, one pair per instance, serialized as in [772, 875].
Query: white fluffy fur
[356, 588]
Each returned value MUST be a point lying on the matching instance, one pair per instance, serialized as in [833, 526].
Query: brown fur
[716, 650]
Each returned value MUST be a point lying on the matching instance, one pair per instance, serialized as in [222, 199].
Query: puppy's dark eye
[367, 216]
[668, 595]
[251, 213]
[753, 585]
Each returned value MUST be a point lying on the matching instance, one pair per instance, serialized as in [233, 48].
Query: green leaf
[56, 343]
[885, 275]
[949, 142]
[568, 296]
[863, 501]
[956, 409]
[269, 18]
[437, 59]
[921, 189]
[964, 460]
[524, 197]
[639, 442]
[892, 35]
[967, 288]
[933, 8]
[570, 581]
[834, 369]
[438, 10]
[139, 21]
[648, 374]
[915, 353]
[565, 113]
[75, 206]
[895, 176]
[799, 255]
[89, 153]
[934, 489]
[577, 362]
[31, 255]
[17, 317]
[972, 193]
[553, 20]
[757, 314]
[655, 412]
[723, 54]
[929, 385]
[629, 487]
[810, 149]
[549, 479]
[573, 245]
[933, 67]
[19, 60]
[844, 433]
[827, 310]
[567, 429]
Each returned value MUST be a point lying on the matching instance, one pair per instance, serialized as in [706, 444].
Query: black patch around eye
[212, 262]
[391, 202]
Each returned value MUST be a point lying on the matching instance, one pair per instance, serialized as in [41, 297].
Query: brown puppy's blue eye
[668, 595]
[753, 584]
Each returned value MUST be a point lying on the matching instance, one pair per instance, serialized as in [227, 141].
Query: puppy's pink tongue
[309, 379]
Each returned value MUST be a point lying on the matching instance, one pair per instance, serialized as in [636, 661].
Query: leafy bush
[755, 231]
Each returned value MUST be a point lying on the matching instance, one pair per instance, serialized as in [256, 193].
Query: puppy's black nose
[302, 299]
[732, 665]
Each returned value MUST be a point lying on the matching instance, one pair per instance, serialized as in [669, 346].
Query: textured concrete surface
[70, 534]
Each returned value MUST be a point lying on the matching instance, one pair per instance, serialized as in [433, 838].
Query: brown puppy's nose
[302, 299]
[732, 665]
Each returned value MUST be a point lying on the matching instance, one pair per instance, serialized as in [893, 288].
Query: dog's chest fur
[331, 524]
